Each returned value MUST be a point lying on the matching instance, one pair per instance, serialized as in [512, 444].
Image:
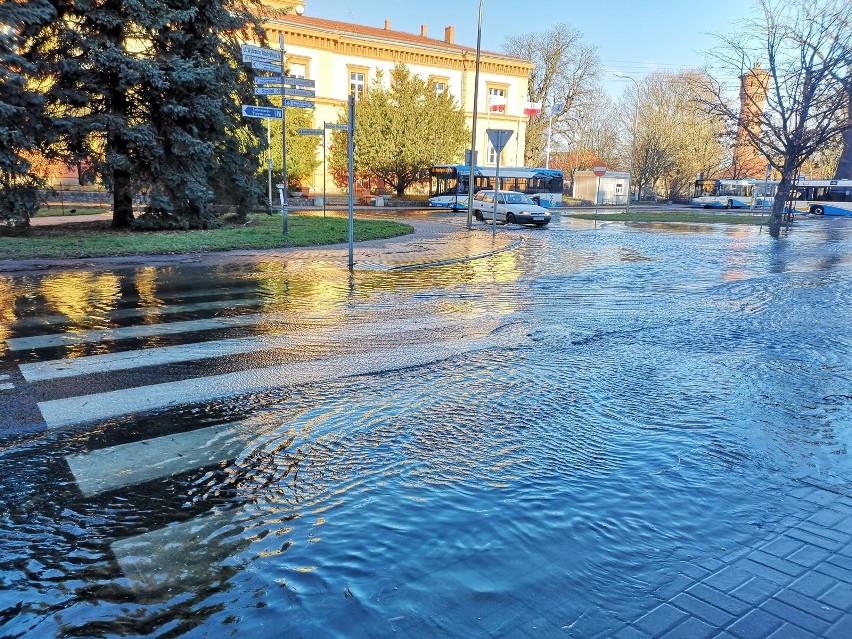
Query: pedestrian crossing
[106, 390]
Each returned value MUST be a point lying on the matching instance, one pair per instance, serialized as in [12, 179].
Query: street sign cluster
[271, 61]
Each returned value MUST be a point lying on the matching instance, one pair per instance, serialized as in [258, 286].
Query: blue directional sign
[267, 79]
[266, 66]
[251, 52]
[302, 93]
[299, 104]
[299, 82]
[337, 127]
[262, 112]
[309, 131]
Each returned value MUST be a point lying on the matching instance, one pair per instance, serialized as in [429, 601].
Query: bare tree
[564, 76]
[844, 164]
[806, 45]
[676, 137]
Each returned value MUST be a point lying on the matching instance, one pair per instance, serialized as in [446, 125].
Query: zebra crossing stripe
[98, 406]
[186, 552]
[7, 386]
[146, 311]
[125, 360]
[106, 469]
[129, 332]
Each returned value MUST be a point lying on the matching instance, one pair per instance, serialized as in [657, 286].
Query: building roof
[390, 36]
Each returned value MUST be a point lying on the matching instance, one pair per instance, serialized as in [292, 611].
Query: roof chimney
[450, 35]
[423, 30]
[387, 25]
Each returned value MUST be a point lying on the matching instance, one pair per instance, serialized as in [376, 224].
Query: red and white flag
[532, 108]
[497, 103]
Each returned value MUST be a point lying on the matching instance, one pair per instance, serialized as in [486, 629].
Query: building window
[297, 66]
[497, 98]
[491, 154]
[357, 80]
[439, 83]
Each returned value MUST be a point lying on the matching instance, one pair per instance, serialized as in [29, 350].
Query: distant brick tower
[753, 87]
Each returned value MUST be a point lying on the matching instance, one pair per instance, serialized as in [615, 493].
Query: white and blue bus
[733, 194]
[822, 197]
[448, 184]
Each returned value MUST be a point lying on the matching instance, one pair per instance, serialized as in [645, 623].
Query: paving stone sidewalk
[795, 582]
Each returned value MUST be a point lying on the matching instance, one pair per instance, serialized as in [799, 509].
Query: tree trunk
[844, 166]
[122, 199]
[776, 218]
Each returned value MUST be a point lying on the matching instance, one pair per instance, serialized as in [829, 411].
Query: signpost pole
[496, 197]
[599, 172]
[323, 168]
[286, 193]
[351, 184]
[498, 138]
[269, 158]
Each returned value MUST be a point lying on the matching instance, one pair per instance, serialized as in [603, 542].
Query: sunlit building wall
[343, 58]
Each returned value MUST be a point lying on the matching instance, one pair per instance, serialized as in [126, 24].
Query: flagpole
[472, 177]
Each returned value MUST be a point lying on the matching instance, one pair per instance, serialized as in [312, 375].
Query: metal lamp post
[470, 179]
[619, 74]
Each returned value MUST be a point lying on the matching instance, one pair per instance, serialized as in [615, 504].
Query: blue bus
[448, 184]
[822, 197]
[733, 194]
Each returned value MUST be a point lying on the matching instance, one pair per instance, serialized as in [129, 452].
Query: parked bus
[448, 186]
[822, 197]
[733, 194]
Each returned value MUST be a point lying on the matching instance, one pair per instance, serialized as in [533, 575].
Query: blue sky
[632, 36]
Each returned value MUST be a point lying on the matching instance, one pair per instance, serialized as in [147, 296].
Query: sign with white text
[259, 53]
[262, 112]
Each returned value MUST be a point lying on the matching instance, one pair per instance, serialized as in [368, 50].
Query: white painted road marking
[86, 408]
[137, 462]
[88, 365]
[129, 332]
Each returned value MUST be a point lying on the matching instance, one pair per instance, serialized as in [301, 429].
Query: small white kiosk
[614, 187]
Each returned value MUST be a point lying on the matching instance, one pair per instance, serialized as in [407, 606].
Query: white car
[512, 208]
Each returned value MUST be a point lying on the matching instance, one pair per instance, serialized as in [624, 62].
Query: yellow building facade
[343, 58]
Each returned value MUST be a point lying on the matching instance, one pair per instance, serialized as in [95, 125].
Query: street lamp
[470, 178]
[619, 74]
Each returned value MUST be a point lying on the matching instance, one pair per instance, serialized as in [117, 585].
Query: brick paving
[794, 582]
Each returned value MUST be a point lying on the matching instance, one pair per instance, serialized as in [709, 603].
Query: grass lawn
[99, 239]
[676, 216]
[70, 209]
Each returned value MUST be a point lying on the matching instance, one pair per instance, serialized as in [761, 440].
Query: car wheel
[510, 219]
[818, 210]
[478, 216]
[729, 204]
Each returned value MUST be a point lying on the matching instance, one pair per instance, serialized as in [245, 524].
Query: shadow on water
[539, 440]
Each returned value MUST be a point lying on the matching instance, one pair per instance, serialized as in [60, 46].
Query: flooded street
[535, 443]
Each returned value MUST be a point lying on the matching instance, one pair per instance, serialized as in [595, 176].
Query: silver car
[512, 208]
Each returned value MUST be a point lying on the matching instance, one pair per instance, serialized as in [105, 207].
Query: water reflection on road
[532, 442]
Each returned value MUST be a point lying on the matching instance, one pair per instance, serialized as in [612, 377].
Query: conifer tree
[205, 150]
[402, 130]
[148, 93]
[21, 111]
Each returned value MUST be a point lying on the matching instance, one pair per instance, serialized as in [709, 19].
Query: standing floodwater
[533, 444]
